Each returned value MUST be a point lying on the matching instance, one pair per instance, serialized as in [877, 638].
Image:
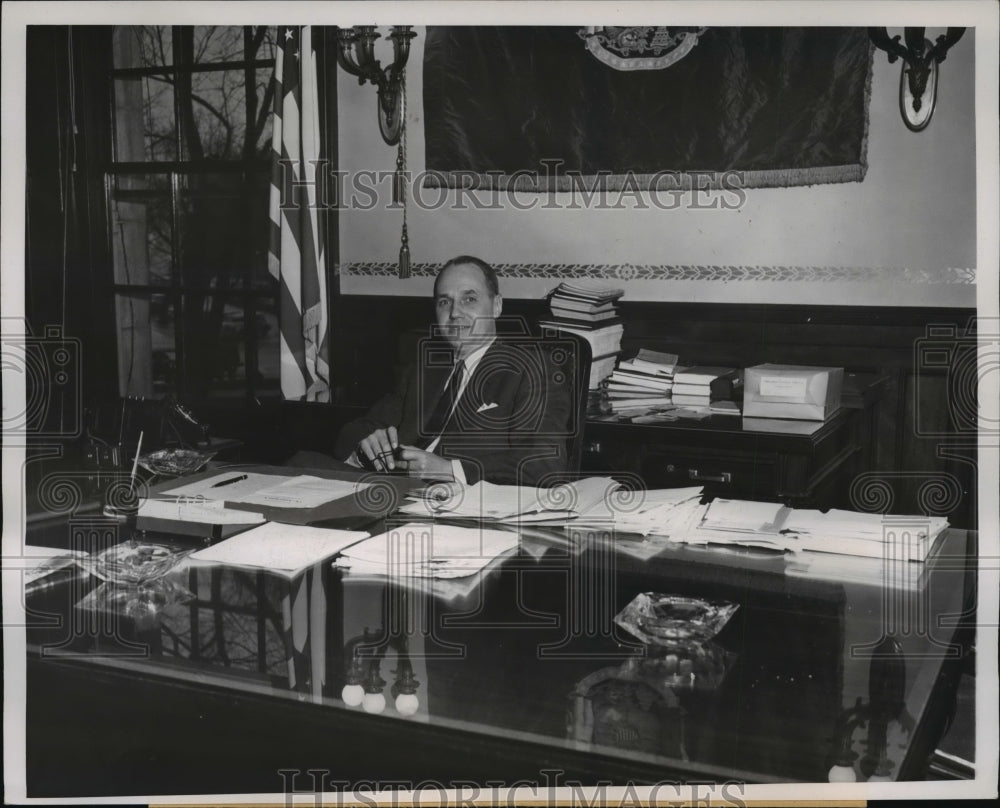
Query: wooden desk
[730, 461]
[734, 460]
[504, 679]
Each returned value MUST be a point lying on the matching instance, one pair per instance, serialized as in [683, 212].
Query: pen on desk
[135, 463]
[231, 481]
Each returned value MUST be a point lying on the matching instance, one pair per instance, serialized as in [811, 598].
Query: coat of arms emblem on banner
[640, 47]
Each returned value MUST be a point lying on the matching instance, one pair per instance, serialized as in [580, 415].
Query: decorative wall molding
[697, 273]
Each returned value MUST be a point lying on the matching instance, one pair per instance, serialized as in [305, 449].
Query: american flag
[296, 255]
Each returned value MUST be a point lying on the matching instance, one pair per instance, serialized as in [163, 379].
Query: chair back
[571, 353]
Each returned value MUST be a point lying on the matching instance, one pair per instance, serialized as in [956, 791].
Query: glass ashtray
[174, 461]
[135, 562]
[670, 619]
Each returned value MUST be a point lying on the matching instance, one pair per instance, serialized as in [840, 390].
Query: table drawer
[722, 475]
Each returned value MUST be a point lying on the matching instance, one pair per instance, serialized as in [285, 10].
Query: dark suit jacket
[511, 425]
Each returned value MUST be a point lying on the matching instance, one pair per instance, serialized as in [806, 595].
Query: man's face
[464, 308]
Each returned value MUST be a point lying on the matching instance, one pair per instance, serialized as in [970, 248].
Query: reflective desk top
[519, 668]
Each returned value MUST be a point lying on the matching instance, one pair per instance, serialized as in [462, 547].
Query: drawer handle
[721, 477]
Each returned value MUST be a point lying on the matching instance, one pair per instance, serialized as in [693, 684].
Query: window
[187, 195]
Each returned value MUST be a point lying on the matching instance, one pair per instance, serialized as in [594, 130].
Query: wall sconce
[919, 71]
[356, 55]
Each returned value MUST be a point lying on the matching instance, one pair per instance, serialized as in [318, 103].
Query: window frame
[180, 290]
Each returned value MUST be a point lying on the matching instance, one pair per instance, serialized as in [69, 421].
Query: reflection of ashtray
[174, 461]
[130, 562]
[669, 619]
[141, 602]
[684, 666]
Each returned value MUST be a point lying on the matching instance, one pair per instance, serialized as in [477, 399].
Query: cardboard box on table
[792, 391]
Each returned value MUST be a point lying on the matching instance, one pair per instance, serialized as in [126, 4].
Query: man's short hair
[489, 274]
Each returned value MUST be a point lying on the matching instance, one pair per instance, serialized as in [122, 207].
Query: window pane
[215, 351]
[216, 108]
[143, 45]
[268, 376]
[263, 39]
[141, 230]
[217, 240]
[163, 325]
[259, 138]
[146, 350]
[144, 120]
[218, 43]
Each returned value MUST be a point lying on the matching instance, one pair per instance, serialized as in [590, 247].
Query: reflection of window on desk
[187, 192]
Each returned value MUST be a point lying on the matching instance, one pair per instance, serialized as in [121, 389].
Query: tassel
[399, 178]
[404, 256]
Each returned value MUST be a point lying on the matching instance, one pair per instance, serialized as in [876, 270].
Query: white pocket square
[485, 407]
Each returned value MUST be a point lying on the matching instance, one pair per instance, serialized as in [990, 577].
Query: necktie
[438, 419]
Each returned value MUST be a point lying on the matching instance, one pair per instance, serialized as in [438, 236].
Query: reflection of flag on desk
[296, 256]
[789, 106]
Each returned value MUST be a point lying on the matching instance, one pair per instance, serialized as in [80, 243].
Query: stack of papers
[771, 525]
[677, 516]
[908, 538]
[743, 516]
[285, 550]
[663, 512]
[428, 550]
[514, 503]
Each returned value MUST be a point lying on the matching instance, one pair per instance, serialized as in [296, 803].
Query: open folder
[335, 499]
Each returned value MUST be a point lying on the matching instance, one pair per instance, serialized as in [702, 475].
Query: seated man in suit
[478, 406]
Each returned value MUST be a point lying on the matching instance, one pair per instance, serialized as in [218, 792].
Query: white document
[283, 549]
[301, 491]
[744, 515]
[236, 484]
[212, 512]
[859, 525]
[430, 550]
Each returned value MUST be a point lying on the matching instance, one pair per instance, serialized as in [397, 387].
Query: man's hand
[379, 448]
[425, 465]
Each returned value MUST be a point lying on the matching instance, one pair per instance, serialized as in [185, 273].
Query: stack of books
[584, 302]
[588, 310]
[693, 387]
[642, 383]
